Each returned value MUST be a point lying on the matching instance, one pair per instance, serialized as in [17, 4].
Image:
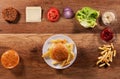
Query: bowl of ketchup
[107, 35]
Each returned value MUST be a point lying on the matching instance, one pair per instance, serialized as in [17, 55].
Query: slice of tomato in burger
[53, 14]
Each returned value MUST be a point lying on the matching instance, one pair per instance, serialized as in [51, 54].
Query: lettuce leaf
[87, 17]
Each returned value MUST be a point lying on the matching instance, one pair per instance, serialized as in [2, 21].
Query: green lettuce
[87, 17]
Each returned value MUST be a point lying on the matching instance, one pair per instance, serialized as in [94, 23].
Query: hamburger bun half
[10, 59]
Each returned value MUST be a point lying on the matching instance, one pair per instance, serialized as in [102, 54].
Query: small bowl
[113, 22]
[112, 39]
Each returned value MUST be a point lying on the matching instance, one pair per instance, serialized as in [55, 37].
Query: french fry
[55, 62]
[103, 52]
[101, 65]
[112, 46]
[101, 48]
[100, 57]
[107, 54]
[111, 55]
[114, 54]
[107, 46]
[108, 64]
[46, 54]
[99, 61]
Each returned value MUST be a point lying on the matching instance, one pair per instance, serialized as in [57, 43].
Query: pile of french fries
[107, 54]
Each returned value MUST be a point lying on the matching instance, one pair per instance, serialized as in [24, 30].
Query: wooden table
[32, 65]
[63, 25]
[28, 39]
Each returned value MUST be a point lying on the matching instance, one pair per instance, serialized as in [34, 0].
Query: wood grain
[28, 38]
[63, 25]
[32, 66]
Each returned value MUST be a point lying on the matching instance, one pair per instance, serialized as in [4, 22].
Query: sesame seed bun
[10, 59]
[59, 52]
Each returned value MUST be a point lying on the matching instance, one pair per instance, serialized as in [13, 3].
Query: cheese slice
[33, 14]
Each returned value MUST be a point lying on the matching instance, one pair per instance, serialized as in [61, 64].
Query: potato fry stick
[55, 62]
[64, 63]
[69, 58]
[107, 54]
[101, 48]
[114, 54]
[107, 46]
[112, 46]
[101, 65]
[100, 57]
[46, 54]
[59, 41]
[108, 64]
[103, 52]
[98, 62]
[110, 57]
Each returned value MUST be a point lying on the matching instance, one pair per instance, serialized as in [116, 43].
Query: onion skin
[67, 9]
[68, 13]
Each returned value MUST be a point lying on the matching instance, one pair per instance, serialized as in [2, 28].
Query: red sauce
[107, 34]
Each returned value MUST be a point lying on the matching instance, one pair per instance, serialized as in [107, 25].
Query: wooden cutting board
[32, 65]
[63, 25]
[28, 38]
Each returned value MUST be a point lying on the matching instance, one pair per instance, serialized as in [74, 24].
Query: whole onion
[68, 13]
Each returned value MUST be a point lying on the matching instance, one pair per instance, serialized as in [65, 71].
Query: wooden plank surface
[63, 25]
[29, 46]
[32, 65]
